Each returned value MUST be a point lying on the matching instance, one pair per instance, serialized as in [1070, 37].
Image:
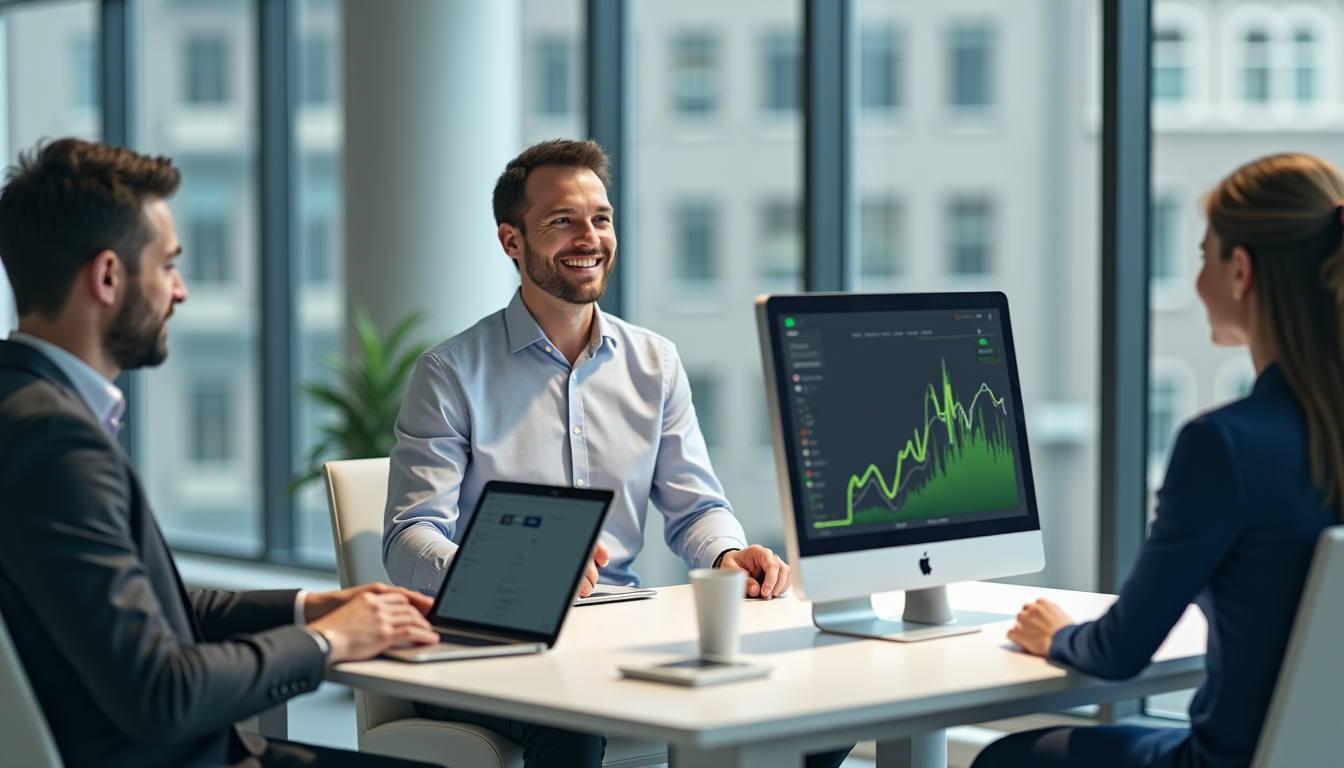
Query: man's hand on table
[362, 622]
[767, 574]
[1036, 626]
[600, 558]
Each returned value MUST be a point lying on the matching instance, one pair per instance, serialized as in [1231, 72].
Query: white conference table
[826, 690]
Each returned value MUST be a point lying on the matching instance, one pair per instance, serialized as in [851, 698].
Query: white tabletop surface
[821, 683]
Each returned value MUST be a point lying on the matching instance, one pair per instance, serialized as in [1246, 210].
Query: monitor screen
[521, 559]
[900, 418]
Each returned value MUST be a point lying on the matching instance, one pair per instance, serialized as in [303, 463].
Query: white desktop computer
[901, 451]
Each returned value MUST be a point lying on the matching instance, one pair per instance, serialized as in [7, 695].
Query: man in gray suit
[129, 667]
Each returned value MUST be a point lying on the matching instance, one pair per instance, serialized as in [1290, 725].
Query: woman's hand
[1036, 626]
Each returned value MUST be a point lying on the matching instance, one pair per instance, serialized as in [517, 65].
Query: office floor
[327, 718]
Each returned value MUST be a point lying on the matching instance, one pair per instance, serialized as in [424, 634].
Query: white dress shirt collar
[102, 396]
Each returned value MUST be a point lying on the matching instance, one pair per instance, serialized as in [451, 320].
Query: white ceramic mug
[718, 603]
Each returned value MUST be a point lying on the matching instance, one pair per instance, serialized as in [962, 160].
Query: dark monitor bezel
[841, 303]
[521, 489]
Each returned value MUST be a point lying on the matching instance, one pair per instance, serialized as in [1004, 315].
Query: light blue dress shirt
[499, 402]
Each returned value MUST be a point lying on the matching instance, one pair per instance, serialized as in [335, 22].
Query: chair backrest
[356, 496]
[23, 728]
[1303, 729]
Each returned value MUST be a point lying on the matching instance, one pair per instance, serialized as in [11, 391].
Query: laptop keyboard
[465, 640]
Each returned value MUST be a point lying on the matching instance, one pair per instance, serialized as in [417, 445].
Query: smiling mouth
[590, 261]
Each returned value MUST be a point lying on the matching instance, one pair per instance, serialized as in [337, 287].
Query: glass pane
[717, 164]
[319, 285]
[553, 74]
[1271, 46]
[200, 412]
[986, 178]
[48, 86]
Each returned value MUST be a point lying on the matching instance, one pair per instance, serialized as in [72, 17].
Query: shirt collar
[523, 330]
[102, 396]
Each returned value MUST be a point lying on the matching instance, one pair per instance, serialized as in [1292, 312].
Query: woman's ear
[1243, 273]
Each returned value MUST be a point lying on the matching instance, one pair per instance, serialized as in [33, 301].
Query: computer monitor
[901, 451]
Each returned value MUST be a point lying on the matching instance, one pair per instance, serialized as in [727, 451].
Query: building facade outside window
[86, 72]
[554, 77]
[695, 75]
[970, 236]
[697, 258]
[783, 72]
[315, 71]
[212, 417]
[207, 70]
[880, 71]
[206, 256]
[1305, 76]
[1169, 66]
[880, 239]
[1256, 69]
[970, 60]
[705, 398]
[1164, 229]
[781, 240]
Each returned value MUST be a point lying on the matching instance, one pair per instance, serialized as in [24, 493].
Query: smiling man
[551, 390]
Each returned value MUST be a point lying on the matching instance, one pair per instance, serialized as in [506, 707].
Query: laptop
[510, 585]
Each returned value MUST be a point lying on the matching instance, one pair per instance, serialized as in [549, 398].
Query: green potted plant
[365, 397]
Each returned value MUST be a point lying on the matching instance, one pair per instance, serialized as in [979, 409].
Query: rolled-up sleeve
[700, 522]
[433, 447]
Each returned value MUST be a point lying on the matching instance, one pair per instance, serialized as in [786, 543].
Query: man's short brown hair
[67, 201]
[510, 200]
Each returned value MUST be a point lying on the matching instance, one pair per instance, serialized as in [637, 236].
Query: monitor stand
[928, 615]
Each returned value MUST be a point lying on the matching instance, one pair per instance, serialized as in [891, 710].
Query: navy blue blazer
[1237, 521]
[130, 668]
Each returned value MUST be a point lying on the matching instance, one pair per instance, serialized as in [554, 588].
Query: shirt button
[576, 430]
[548, 349]
[579, 482]
[573, 377]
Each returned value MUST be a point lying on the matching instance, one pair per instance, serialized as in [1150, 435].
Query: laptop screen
[521, 558]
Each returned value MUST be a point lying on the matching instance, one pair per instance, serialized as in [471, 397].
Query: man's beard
[135, 338]
[549, 276]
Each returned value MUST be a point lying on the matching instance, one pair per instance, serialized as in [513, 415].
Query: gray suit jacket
[130, 668]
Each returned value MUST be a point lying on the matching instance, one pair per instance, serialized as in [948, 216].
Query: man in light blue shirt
[551, 390]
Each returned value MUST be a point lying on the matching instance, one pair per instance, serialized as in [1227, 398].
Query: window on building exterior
[1304, 66]
[1256, 71]
[783, 72]
[969, 227]
[206, 255]
[315, 76]
[1169, 66]
[705, 398]
[553, 79]
[695, 75]
[317, 250]
[212, 417]
[971, 51]
[879, 238]
[879, 69]
[86, 73]
[1163, 399]
[1165, 247]
[696, 242]
[207, 70]
[781, 240]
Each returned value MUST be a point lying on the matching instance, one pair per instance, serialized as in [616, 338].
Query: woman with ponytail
[1249, 487]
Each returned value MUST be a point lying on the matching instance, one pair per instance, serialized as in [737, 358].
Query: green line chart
[972, 470]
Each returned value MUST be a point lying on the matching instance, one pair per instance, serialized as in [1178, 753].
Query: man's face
[570, 244]
[138, 335]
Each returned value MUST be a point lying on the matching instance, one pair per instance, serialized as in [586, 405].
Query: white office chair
[357, 494]
[1303, 729]
[23, 728]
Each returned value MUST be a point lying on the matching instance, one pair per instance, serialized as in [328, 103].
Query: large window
[783, 86]
[1256, 71]
[1170, 70]
[187, 424]
[881, 231]
[970, 236]
[971, 67]
[880, 71]
[695, 74]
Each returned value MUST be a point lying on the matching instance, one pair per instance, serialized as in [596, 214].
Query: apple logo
[924, 566]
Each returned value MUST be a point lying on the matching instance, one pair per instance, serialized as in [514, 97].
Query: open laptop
[512, 581]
